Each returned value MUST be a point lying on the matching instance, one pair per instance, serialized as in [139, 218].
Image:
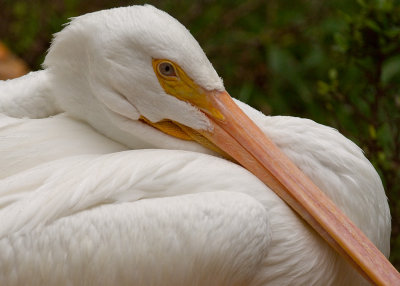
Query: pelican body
[115, 169]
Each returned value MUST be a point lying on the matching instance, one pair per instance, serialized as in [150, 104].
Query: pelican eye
[166, 69]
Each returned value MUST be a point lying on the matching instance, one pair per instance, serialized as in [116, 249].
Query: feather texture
[79, 206]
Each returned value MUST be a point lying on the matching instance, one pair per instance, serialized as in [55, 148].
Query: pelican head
[122, 57]
[137, 69]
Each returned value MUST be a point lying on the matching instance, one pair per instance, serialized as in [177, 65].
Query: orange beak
[236, 135]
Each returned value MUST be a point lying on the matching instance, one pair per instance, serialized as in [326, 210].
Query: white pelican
[79, 206]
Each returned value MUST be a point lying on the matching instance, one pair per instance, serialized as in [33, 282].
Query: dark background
[336, 62]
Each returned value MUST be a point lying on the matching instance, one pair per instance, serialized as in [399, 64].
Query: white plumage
[79, 206]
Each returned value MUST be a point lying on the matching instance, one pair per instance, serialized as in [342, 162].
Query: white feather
[78, 206]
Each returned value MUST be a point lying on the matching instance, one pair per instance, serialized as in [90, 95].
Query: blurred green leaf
[391, 69]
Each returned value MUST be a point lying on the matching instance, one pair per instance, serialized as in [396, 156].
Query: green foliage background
[336, 62]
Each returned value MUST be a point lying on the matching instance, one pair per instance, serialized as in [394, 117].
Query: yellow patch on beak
[183, 132]
[168, 127]
[177, 83]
